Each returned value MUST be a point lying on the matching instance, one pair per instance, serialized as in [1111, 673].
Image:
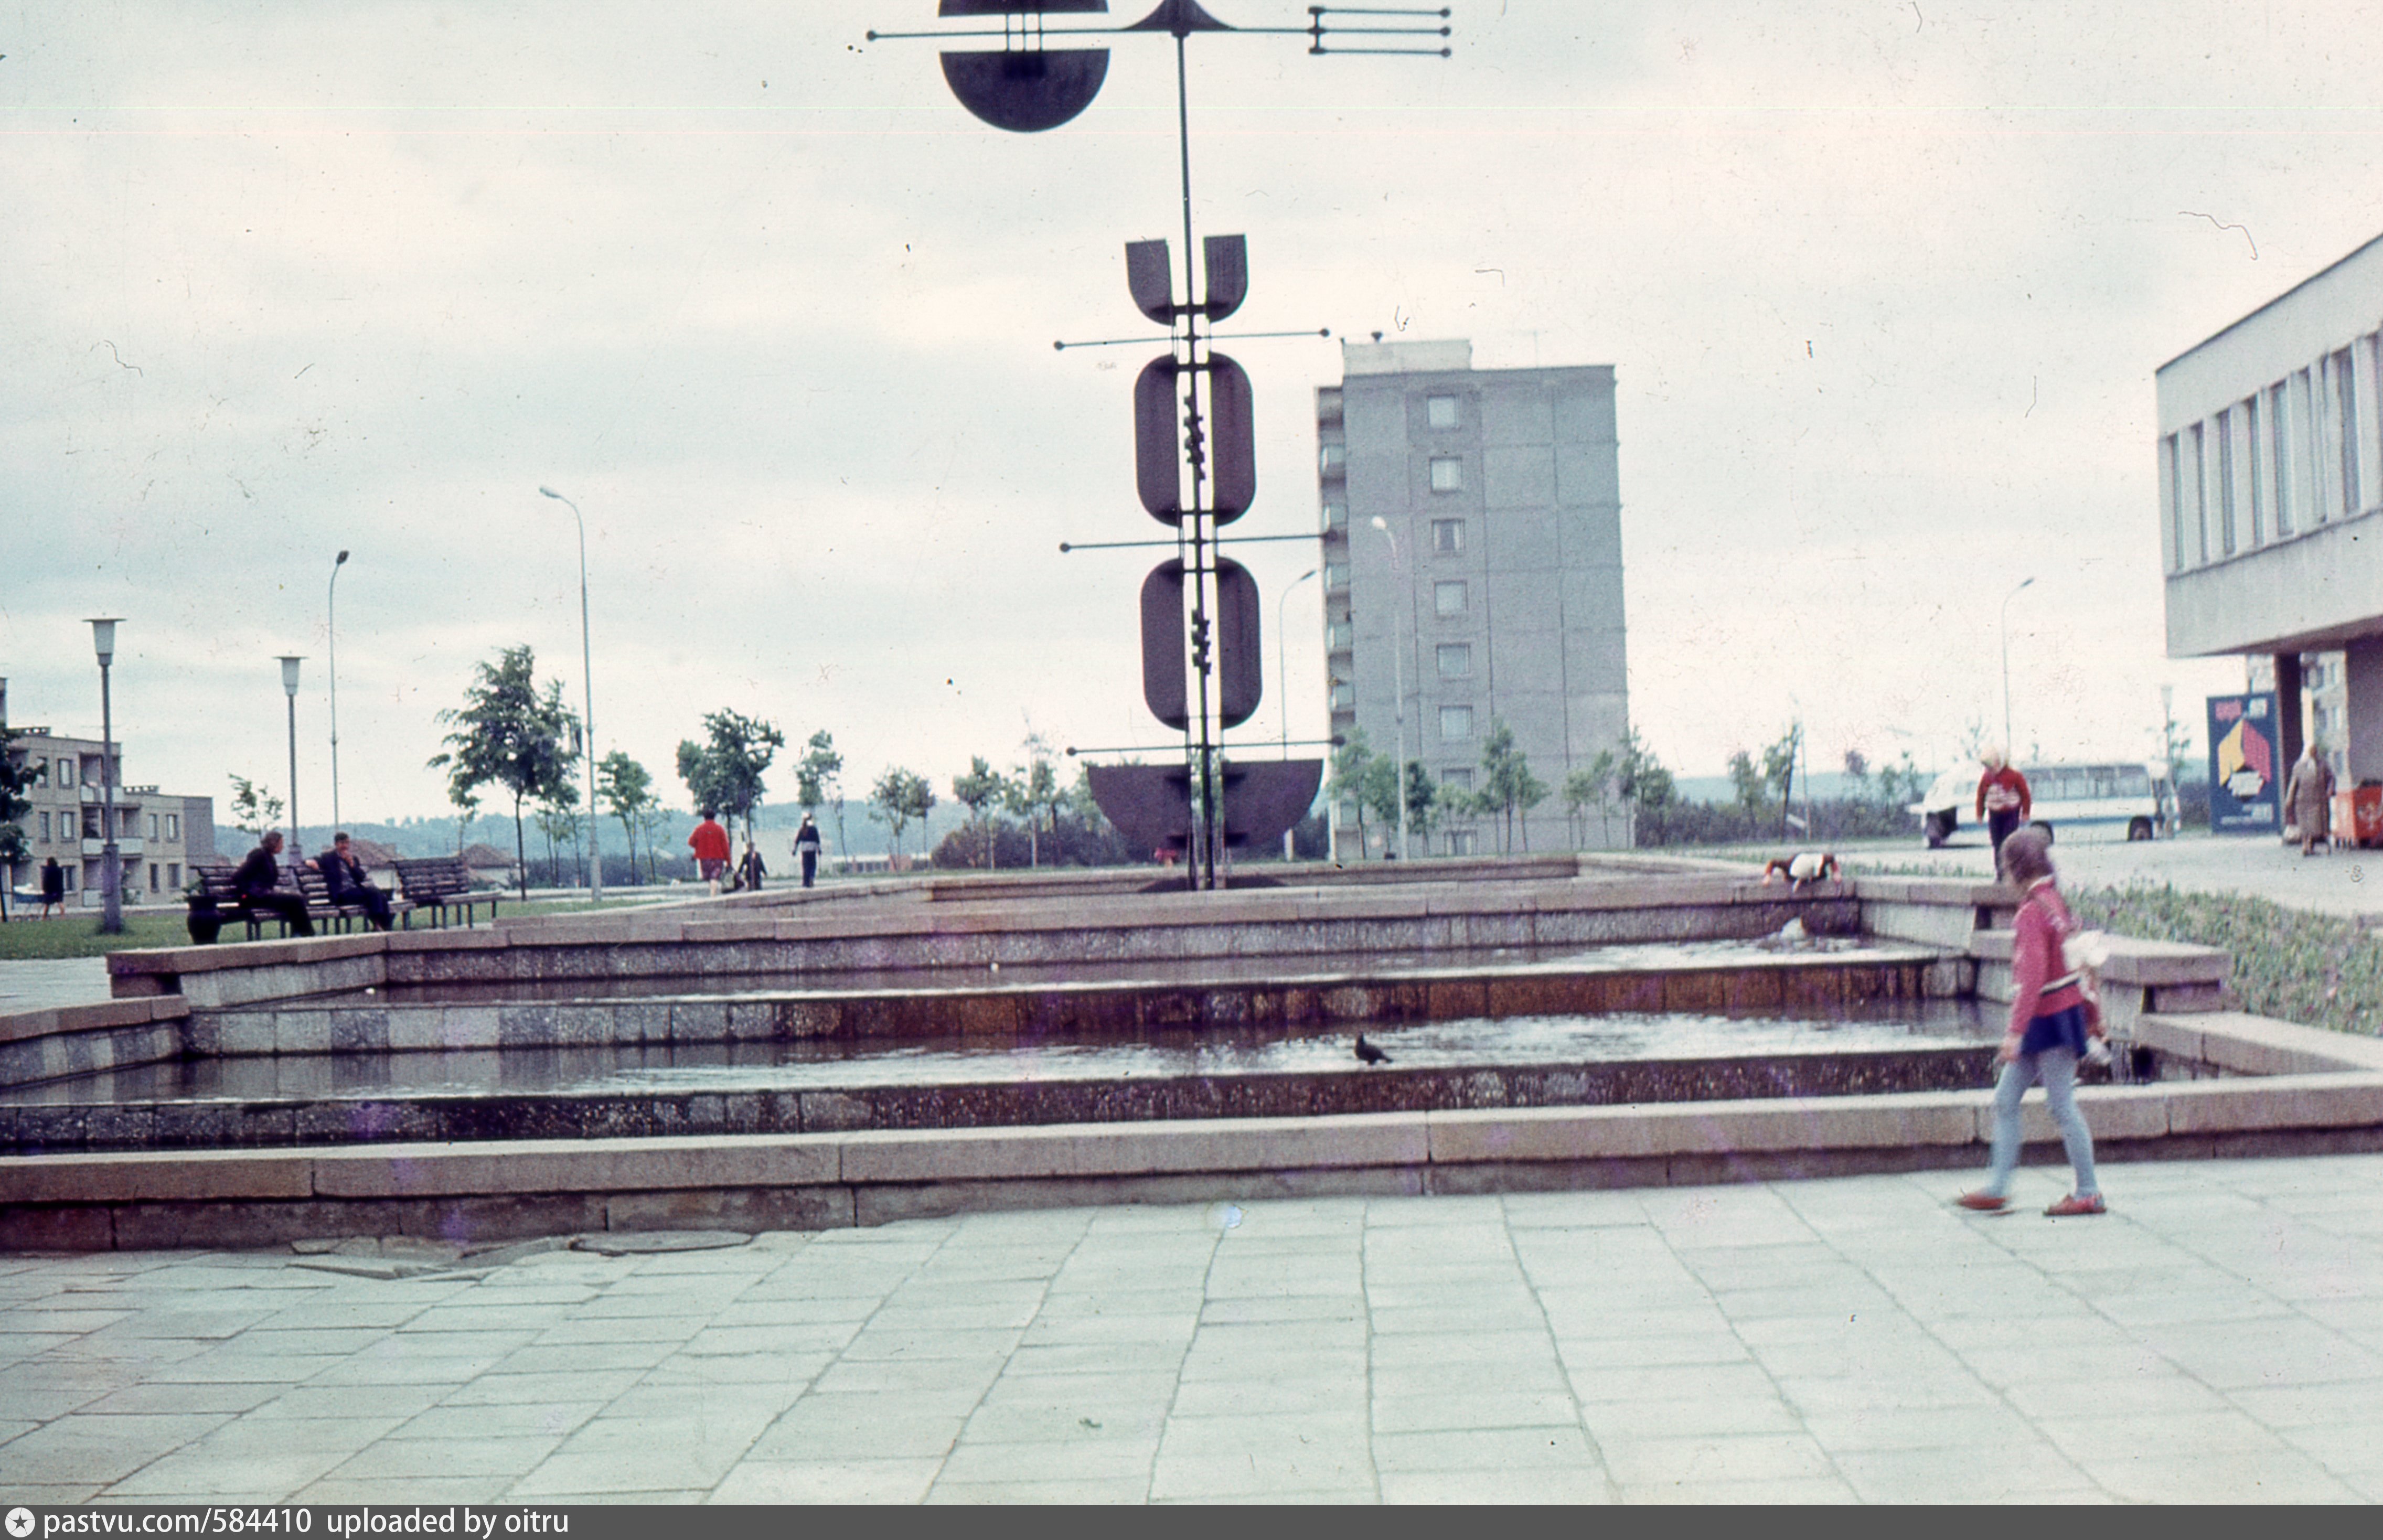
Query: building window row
[2296, 453]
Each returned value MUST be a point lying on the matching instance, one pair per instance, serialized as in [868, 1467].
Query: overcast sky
[1884, 286]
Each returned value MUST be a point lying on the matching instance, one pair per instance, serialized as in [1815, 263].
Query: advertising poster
[2245, 794]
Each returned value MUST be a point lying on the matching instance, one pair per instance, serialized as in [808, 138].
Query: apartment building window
[2258, 461]
[1446, 536]
[1334, 459]
[1450, 597]
[2172, 454]
[174, 828]
[152, 877]
[1339, 636]
[45, 828]
[2279, 440]
[153, 833]
[1459, 776]
[174, 875]
[1336, 574]
[1440, 411]
[1335, 515]
[2345, 395]
[66, 772]
[2200, 467]
[2225, 483]
[1344, 695]
[1455, 659]
[1455, 723]
[1447, 473]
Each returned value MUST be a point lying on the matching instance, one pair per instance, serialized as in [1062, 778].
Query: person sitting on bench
[345, 883]
[258, 883]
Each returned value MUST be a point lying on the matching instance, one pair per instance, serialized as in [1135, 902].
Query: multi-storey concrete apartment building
[1491, 588]
[157, 837]
[2271, 504]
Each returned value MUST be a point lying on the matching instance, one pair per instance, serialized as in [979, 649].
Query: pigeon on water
[1370, 1053]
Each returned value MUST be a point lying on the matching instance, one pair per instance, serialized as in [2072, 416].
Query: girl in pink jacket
[2051, 1020]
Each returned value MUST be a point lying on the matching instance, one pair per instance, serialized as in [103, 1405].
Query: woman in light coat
[2308, 800]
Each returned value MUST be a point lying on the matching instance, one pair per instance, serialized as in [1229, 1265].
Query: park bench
[214, 894]
[317, 889]
[439, 883]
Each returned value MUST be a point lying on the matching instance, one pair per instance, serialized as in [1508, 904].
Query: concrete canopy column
[2362, 710]
[2292, 709]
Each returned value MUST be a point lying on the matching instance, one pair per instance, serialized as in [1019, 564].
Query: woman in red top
[2051, 1018]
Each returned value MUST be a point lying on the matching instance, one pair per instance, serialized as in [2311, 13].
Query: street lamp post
[290, 688]
[588, 679]
[1399, 683]
[331, 631]
[111, 865]
[1282, 686]
[2010, 750]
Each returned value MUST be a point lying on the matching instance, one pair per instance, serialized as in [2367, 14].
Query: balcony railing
[127, 847]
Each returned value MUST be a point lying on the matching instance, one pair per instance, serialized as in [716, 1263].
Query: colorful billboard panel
[2245, 765]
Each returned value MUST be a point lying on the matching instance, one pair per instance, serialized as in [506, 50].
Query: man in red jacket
[2003, 800]
[710, 842]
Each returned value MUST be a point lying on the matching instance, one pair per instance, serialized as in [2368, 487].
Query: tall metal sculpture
[1201, 659]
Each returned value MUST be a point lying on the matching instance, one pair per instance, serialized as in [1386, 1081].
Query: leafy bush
[2320, 970]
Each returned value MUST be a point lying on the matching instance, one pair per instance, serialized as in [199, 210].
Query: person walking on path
[2003, 800]
[2051, 1018]
[53, 888]
[807, 848]
[344, 882]
[710, 842]
[258, 882]
[749, 869]
[2308, 801]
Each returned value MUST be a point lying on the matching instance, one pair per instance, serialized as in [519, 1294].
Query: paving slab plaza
[2218, 1336]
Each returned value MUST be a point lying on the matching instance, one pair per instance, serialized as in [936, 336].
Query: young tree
[558, 822]
[1423, 802]
[14, 778]
[979, 789]
[627, 790]
[1779, 770]
[651, 819]
[512, 733]
[1643, 786]
[1508, 786]
[1747, 782]
[1036, 793]
[1378, 794]
[725, 773]
[900, 797]
[1593, 786]
[818, 779]
[254, 810]
[1351, 763]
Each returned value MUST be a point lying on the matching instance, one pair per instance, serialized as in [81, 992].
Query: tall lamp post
[1399, 683]
[331, 630]
[587, 678]
[290, 688]
[2009, 749]
[1282, 686]
[111, 866]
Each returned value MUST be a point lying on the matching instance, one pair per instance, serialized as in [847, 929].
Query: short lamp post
[290, 688]
[111, 866]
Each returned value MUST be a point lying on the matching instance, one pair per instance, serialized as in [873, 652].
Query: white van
[2086, 802]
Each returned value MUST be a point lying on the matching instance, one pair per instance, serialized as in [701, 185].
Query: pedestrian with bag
[2054, 1022]
[710, 842]
[2308, 800]
[807, 848]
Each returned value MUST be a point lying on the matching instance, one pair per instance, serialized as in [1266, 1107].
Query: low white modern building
[2271, 504]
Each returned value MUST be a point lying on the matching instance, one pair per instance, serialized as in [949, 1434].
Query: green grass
[78, 935]
[2320, 970]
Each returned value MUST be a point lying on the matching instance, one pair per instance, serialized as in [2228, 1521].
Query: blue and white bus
[2083, 802]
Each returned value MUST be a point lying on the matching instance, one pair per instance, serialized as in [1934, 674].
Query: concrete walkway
[2345, 883]
[2217, 1337]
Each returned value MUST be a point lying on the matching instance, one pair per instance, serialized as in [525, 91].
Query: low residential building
[158, 835]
